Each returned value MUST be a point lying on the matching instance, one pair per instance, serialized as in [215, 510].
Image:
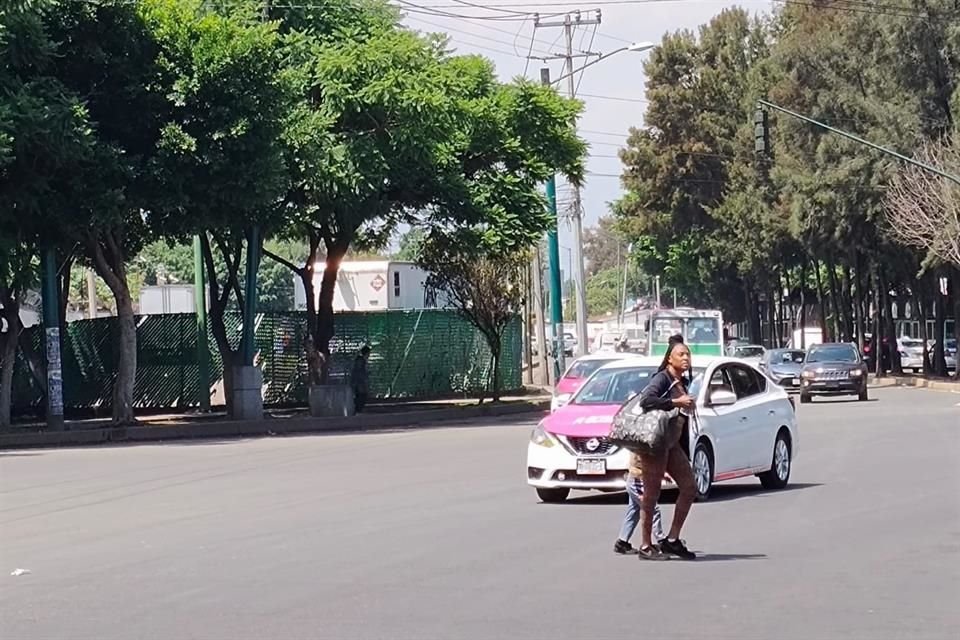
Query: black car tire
[703, 452]
[863, 396]
[771, 479]
[553, 496]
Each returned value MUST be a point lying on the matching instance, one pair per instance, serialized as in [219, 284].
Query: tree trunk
[803, 305]
[325, 318]
[889, 329]
[849, 310]
[63, 292]
[127, 365]
[8, 356]
[106, 251]
[219, 299]
[822, 302]
[774, 341]
[495, 345]
[858, 313]
[879, 369]
[838, 315]
[920, 310]
[939, 328]
[955, 293]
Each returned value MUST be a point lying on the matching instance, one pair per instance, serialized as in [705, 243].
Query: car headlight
[541, 438]
[809, 374]
[856, 373]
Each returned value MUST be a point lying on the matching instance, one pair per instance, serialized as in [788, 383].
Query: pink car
[578, 371]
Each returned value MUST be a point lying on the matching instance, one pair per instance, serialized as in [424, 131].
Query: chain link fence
[424, 354]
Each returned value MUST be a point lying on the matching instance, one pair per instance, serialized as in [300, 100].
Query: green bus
[702, 330]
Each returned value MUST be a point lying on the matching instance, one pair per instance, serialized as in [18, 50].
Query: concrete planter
[247, 393]
[331, 400]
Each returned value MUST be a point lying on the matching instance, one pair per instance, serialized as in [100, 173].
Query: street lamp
[577, 223]
[636, 47]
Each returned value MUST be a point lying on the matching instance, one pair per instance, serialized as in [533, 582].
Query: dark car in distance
[833, 369]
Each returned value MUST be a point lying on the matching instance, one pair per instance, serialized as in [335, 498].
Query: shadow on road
[723, 557]
[829, 400]
[719, 493]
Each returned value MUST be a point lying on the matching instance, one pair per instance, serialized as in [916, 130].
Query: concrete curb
[916, 383]
[266, 427]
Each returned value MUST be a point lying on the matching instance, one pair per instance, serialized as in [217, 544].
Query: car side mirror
[722, 398]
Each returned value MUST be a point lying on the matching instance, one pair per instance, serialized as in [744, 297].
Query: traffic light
[761, 132]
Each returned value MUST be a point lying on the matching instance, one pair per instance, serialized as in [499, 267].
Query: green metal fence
[415, 354]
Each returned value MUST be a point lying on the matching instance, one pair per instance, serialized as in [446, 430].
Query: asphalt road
[434, 534]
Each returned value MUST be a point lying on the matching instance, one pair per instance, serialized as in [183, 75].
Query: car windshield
[703, 331]
[833, 353]
[787, 357]
[748, 352]
[583, 368]
[614, 386]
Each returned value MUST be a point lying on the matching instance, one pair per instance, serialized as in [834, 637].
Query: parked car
[578, 371]
[949, 352]
[784, 366]
[833, 369]
[746, 426]
[911, 354]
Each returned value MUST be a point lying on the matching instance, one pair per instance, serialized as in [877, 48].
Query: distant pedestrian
[359, 379]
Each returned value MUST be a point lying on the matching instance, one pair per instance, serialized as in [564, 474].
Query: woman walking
[667, 391]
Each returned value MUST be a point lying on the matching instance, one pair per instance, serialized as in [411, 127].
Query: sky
[612, 90]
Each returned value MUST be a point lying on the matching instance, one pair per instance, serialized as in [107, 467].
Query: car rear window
[583, 368]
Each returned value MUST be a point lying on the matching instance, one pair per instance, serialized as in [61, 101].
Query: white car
[746, 425]
[911, 354]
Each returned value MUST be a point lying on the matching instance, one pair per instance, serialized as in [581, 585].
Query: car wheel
[779, 474]
[864, 396]
[552, 496]
[805, 398]
[703, 470]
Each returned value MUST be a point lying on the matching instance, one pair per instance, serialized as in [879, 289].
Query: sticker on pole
[378, 283]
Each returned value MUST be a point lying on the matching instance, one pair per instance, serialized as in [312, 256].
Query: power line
[615, 98]
[475, 35]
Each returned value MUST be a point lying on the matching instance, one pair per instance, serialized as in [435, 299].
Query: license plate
[591, 467]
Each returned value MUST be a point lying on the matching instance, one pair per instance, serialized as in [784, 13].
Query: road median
[268, 426]
[950, 386]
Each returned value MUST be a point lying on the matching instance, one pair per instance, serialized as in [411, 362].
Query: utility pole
[540, 329]
[200, 304]
[570, 21]
[51, 331]
[91, 294]
[553, 248]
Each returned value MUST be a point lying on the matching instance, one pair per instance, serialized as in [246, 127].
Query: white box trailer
[374, 286]
[167, 298]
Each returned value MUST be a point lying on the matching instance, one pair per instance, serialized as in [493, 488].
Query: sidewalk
[919, 382]
[278, 422]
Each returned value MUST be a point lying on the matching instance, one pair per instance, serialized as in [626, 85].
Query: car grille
[580, 446]
[833, 375]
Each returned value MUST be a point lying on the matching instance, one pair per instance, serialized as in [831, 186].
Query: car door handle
[772, 412]
[744, 419]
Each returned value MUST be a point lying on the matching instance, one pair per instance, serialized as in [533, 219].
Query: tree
[603, 246]
[678, 167]
[923, 209]
[485, 287]
[45, 137]
[407, 134]
[219, 170]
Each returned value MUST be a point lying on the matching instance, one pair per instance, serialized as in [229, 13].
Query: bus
[702, 330]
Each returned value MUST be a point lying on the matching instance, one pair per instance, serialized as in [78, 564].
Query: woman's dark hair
[671, 345]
